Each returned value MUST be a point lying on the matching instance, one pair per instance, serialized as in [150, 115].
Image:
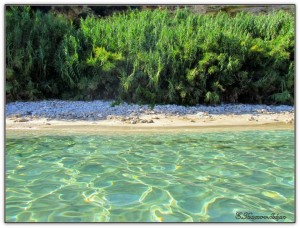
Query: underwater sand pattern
[187, 177]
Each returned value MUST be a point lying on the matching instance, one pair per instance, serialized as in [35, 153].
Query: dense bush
[31, 45]
[151, 56]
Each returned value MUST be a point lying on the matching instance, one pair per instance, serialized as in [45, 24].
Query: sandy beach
[154, 122]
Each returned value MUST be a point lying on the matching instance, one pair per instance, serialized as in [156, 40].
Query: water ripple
[191, 177]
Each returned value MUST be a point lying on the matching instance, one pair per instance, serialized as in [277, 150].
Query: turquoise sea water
[186, 177]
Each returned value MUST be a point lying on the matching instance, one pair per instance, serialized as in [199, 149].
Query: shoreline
[186, 123]
[100, 116]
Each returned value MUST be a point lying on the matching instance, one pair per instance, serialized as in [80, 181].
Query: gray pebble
[97, 110]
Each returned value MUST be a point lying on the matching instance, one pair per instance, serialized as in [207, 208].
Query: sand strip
[159, 123]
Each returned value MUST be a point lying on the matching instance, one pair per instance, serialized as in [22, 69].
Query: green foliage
[31, 43]
[212, 97]
[152, 56]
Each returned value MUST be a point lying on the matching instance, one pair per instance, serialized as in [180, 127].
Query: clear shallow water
[186, 177]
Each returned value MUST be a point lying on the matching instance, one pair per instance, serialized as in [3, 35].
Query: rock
[81, 110]
[261, 110]
[200, 114]
[21, 120]
[150, 112]
[144, 121]
[48, 123]
[251, 118]
[290, 121]
[110, 117]
[150, 121]
[133, 121]
[193, 121]
[133, 114]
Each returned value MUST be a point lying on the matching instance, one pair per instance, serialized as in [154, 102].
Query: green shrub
[152, 56]
[31, 43]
